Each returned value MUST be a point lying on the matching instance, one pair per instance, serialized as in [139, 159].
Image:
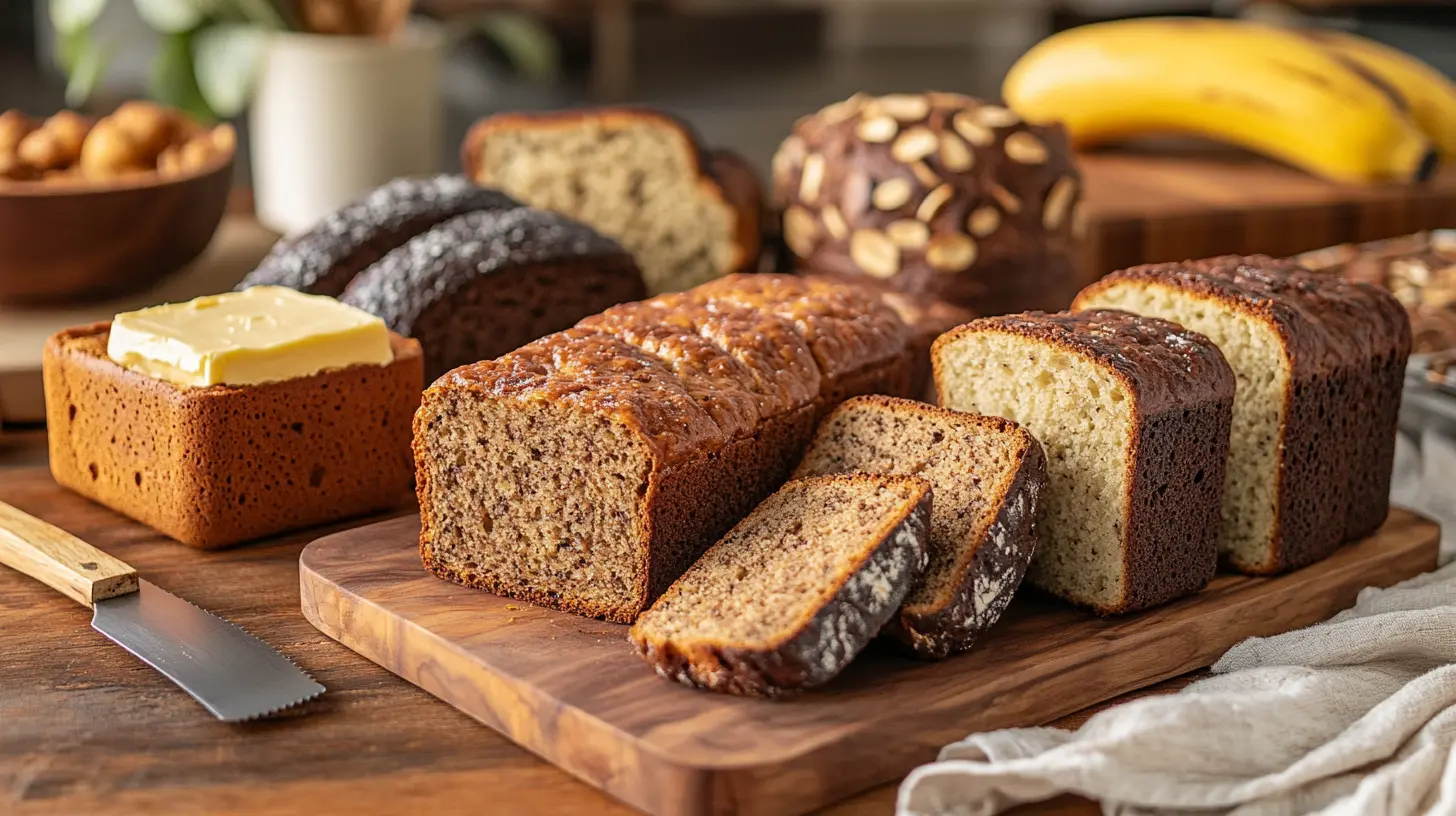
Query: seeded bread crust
[721, 175]
[719, 440]
[817, 648]
[1347, 344]
[1182, 390]
[323, 260]
[933, 193]
[990, 566]
[215, 466]
[484, 283]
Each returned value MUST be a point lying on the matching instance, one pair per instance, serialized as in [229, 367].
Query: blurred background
[740, 70]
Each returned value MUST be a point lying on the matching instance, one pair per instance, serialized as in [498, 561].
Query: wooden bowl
[91, 240]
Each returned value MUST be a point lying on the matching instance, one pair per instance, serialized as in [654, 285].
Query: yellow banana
[1262, 88]
[1430, 94]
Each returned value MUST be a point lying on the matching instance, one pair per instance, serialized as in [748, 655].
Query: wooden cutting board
[571, 690]
[237, 247]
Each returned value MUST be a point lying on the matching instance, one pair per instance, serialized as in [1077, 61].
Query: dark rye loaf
[1320, 364]
[587, 470]
[1134, 415]
[796, 590]
[484, 283]
[324, 259]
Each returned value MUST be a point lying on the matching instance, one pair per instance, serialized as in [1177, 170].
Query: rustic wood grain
[60, 560]
[571, 690]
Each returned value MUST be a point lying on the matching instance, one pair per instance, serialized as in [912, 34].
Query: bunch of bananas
[1336, 105]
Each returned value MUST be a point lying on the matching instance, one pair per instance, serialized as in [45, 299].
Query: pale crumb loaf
[987, 474]
[324, 259]
[484, 283]
[587, 470]
[1133, 413]
[637, 175]
[1320, 363]
[216, 465]
[936, 193]
[794, 591]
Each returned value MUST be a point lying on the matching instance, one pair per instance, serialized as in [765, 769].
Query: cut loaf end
[795, 591]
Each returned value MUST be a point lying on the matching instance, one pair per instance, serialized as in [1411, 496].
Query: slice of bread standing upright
[1319, 363]
[1133, 413]
[987, 473]
[640, 176]
[791, 594]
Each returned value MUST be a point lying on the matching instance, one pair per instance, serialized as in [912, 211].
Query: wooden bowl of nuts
[97, 208]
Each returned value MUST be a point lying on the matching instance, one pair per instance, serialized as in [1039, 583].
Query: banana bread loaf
[324, 259]
[987, 473]
[587, 470]
[1320, 363]
[484, 283]
[796, 590]
[936, 193]
[1134, 416]
[640, 176]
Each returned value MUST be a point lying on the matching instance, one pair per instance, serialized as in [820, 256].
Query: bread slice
[1133, 413]
[987, 473]
[1319, 362]
[792, 593]
[636, 175]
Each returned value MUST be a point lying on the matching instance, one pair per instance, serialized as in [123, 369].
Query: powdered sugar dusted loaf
[792, 593]
[1134, 415]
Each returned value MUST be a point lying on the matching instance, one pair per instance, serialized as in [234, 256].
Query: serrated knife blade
[231, 673]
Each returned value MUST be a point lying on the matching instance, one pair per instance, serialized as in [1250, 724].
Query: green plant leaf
[262, 12]
[71, 15]
[171, 16]
[226, 57]
[528, 45]
[174, 78]
[88, 61]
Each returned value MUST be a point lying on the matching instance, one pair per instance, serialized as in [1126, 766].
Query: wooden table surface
[85, 728]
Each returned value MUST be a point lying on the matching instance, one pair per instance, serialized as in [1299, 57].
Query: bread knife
[233, 674]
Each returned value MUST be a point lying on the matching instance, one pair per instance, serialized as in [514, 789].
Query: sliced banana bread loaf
[589, 469]
[1320, 362]
[637, 175]
[788, 598]
[987, 473]
[1133, 413]
[484, 283]
[323, 260]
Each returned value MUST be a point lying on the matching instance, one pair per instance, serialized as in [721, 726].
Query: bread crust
[1182, 390]
[1346, 344]
[707, 468]
[991, 564]
[218, 465]
[820, 645]
[743, 206]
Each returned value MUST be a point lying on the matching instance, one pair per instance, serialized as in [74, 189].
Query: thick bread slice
[324, 259]
[793, 592]
[637, 175]
[987, 473]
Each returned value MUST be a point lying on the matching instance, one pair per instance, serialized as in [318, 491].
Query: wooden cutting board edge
[671, 778]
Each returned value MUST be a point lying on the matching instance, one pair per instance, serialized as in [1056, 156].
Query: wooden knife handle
[60, 560]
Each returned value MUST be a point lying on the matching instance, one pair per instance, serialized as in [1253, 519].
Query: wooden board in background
[571, 690]
[237, 247]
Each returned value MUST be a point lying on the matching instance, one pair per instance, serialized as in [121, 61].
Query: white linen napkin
[1355, 716]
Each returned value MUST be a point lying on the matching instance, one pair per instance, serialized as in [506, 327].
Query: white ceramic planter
[334, 117]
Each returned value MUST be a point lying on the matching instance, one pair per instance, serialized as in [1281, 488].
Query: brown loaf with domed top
[587, 470]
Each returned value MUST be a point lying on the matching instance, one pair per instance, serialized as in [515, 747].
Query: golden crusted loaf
[936, 193]
[606, 458]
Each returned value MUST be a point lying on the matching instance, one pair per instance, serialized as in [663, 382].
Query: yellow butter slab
[262, 334]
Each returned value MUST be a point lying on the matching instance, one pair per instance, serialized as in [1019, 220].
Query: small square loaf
[1320, 362]
[217, 465]
[587, 470]
[1134, 414]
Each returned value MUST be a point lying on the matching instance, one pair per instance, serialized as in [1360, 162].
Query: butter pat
[258, 335]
